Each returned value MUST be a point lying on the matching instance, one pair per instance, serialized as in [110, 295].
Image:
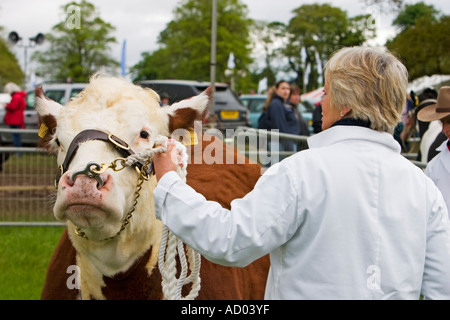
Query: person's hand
[167, 161]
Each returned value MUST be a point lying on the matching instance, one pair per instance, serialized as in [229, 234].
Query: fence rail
[27, 174]
[27, 177]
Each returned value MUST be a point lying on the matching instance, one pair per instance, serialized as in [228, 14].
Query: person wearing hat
[438, 169]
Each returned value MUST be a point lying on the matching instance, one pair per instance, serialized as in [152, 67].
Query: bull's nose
[69, 180]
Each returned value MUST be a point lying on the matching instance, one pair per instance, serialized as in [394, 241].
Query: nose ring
[88, 171]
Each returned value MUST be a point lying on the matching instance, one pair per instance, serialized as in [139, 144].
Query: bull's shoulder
[55, 285]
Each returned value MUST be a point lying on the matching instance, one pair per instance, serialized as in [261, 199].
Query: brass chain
[142, 177]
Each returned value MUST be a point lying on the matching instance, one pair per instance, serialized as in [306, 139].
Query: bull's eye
[57, 142]
[144, 134]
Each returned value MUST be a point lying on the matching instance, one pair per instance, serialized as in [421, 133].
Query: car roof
[181, 82]
[253, 96]
[63, 85]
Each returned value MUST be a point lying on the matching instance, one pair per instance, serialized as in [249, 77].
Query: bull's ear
[184, 113]
[48, 111]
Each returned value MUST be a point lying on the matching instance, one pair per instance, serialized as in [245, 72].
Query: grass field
[24, 256]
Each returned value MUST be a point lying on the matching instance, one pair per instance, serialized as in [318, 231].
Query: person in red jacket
[15, 111]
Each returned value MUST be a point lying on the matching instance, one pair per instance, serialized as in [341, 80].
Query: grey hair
[371, 82]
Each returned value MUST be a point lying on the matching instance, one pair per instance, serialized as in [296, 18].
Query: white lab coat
[350, 218]
[438, 169]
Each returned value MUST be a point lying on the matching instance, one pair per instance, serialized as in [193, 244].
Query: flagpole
[213, 54]
[123, 58]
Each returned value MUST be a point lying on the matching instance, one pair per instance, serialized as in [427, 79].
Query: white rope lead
[170, 245]
[173, 286]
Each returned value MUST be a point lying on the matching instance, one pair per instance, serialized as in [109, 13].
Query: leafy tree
[185, 51]
[424, 47]
[271, 37]
[386, 5]
[9, 66]
[320, 29]
[407, 17]
[78, 46]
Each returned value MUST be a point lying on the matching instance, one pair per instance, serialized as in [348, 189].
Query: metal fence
[254, 142]
[27, 189]
[27, 174]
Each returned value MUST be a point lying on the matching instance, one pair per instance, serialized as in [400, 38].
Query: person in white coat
[349, 218]
[438, 169]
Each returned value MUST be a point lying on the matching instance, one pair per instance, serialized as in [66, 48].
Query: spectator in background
[278, 115]
[15, 116]
[164, 99]
[438, 169]
[317, 118]
[408, 121]
[294, 100]
[431, 134]
[426, 98]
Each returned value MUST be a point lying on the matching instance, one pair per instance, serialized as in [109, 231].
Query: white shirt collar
[443, 146]
[341, 133]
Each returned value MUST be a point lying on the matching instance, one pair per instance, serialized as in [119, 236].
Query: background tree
[76, 51]
[9, 66]
[386, 5]
[269, 39]
[411, 13]
[424, 43]
[318, 30]
[185, 51]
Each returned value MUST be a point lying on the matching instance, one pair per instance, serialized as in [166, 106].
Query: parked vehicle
[255, 103]
[59, 92]
[229, 110]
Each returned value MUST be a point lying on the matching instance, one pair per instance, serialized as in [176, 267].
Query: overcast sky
[141, 21]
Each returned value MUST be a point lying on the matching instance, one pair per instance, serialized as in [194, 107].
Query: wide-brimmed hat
[439, 110]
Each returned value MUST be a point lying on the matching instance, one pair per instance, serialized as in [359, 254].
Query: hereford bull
[112, 235]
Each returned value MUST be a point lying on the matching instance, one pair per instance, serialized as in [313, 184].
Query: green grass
[25, 253]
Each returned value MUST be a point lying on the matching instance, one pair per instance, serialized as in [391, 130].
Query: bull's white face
[127, 111]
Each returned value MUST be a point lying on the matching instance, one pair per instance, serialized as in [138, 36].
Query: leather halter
[93, 134]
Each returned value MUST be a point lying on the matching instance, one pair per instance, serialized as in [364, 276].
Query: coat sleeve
[436, 277]
[14, 104]
[256, 224]
[278, 116]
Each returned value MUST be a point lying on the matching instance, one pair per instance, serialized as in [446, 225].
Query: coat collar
[443, 146]
[444, 155]
[345, 133]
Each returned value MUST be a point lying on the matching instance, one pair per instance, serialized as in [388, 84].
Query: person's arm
[13, 104]
[257, 224]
